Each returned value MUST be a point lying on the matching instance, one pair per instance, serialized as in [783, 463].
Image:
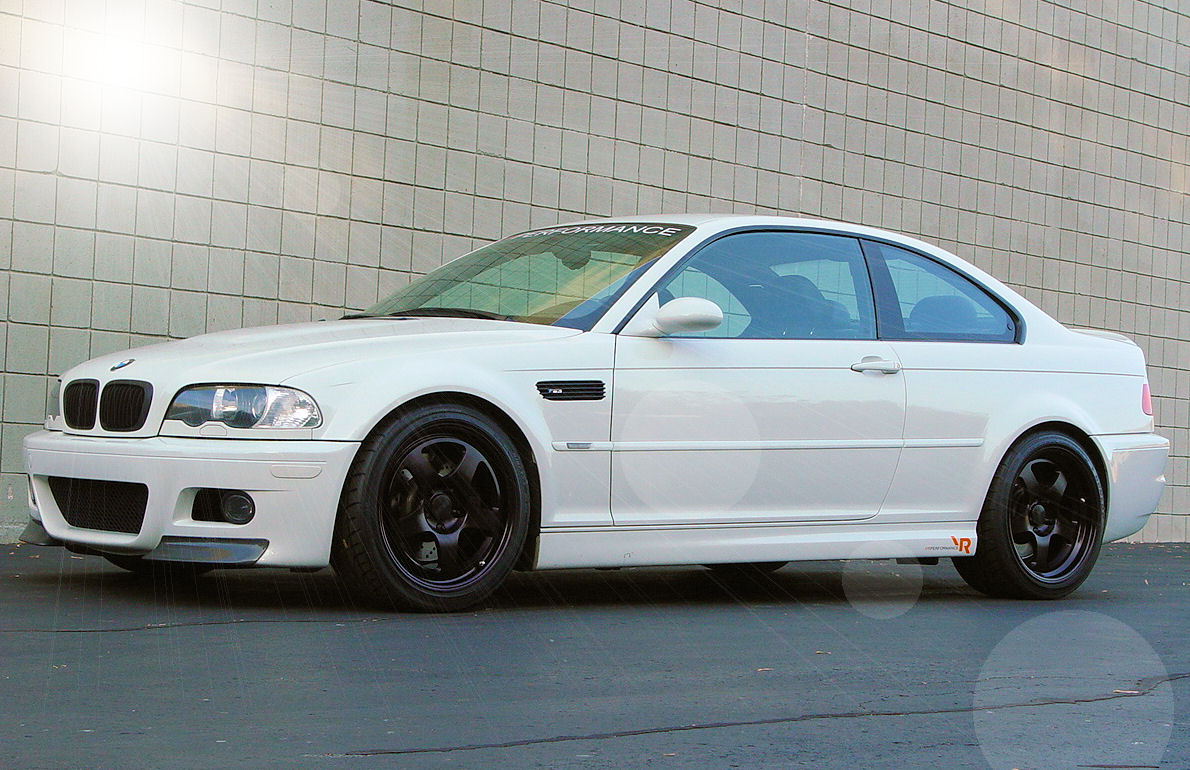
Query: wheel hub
[1038, 516]
[440, 512]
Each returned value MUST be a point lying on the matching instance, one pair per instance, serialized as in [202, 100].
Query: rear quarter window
[920, 299]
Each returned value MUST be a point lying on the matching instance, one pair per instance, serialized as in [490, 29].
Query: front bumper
[294, 484]
[1135, 480]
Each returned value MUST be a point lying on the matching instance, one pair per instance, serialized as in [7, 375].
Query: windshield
[564, 276]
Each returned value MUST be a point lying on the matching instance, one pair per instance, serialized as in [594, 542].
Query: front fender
[356, 397]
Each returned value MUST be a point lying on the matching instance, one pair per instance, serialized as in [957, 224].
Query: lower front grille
[109, 506]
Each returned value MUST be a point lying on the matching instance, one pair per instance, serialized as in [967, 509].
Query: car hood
[274, 354]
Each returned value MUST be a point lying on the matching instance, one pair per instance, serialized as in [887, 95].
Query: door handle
[876, 364]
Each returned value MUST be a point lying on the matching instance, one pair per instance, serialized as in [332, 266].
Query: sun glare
[119, 52]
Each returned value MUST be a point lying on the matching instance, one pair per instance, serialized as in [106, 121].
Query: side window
[926, 300]
[835, 283]
[780, 285]
[695, 283]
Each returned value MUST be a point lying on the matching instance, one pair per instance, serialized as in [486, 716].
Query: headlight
[245, 406]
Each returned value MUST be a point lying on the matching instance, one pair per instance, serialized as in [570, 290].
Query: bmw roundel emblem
[122, 364]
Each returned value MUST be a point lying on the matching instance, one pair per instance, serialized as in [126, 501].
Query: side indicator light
[1146, 400]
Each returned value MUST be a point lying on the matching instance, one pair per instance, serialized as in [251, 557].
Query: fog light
[237, 507]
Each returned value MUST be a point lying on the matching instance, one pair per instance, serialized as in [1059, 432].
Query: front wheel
[1042, 522]
[435, 511]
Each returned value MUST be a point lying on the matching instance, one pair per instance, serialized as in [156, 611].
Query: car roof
[697, 219]
[717, 222]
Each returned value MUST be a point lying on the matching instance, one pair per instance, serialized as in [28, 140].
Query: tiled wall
[169, 168]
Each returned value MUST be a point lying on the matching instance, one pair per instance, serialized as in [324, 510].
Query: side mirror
[678, 316]
[688, 314]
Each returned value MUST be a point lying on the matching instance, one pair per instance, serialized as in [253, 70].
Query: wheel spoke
[1056, 490]
[1029, 478]
[1018, 524]
[463, 474]
[402, 509]
[412, 525]
[485, 519]
[448, 553]
[422, 471]
[464, 480]
[1041, 554]
[1067, 525]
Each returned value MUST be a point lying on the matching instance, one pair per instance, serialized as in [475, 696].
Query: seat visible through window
[943, 313]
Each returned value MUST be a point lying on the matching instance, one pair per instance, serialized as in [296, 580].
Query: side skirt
[569, 547]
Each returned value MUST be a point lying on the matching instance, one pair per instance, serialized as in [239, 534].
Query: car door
[955, 342]
[789, 411]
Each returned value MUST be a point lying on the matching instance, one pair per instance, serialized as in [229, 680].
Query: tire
[158, 570]
[745, 569]
[1042, 522]
[434, 512]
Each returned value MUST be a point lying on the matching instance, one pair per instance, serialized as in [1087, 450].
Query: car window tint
[695, 283]
[834, 279]
[524, 286]
[781, 285]
[566, 276]
[934, 302]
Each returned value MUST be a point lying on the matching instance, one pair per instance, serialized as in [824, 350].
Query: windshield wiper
[437, 312]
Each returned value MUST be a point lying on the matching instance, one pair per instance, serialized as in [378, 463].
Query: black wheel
[1042, 522]
[744, 569]
[158, 570]
[434, 512]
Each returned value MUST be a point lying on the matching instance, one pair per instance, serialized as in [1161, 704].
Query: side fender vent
[572, 390]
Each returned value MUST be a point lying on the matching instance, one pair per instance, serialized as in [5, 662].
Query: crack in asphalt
[1142, 688]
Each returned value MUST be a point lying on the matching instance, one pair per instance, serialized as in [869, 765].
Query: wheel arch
[514, 431]
[1080, 437]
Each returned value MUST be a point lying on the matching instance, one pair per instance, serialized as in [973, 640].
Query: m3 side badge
[122, 364]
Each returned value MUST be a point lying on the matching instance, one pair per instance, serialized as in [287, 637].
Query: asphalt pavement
[825, 664]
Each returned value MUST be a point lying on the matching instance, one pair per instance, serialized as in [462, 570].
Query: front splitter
[197, 550]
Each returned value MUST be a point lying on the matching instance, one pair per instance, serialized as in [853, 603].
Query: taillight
[1146, 400]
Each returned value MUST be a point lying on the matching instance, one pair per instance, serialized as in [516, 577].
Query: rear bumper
[1135, 480]
[295, 486]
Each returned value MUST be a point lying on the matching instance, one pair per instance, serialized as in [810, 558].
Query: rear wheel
[434, 512]
[1042, 522]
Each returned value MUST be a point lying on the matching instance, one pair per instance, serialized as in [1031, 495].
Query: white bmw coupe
[730, 391]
